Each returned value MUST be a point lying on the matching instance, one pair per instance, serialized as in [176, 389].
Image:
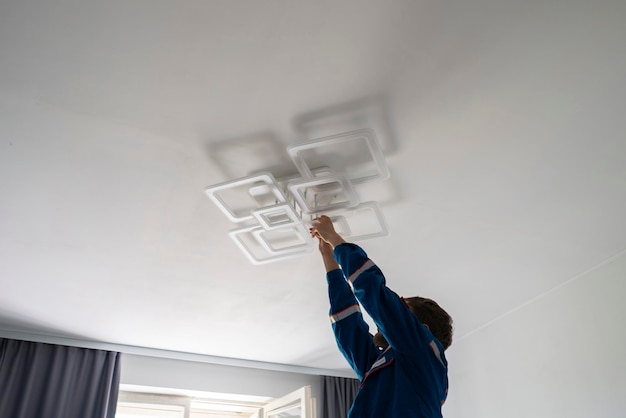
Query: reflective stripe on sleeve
[344, 313]
[357, 273]
[433, 345]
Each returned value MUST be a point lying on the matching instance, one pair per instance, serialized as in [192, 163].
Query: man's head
[430, 315]
[434, 317]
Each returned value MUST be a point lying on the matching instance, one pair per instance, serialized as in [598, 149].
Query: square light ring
[364, 139]
[267, 239]
[285, 214]
[245, 239]
[268, 186]
[323, 187]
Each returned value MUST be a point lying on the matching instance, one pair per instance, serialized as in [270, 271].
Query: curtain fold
[40, 380]
[338, 393]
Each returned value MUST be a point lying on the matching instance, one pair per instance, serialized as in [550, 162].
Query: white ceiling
[507, 156]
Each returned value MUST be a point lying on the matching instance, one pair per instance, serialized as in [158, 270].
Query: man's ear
[426, 325]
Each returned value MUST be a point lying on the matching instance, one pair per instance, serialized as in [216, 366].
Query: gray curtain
[40, 380]
[338, 393]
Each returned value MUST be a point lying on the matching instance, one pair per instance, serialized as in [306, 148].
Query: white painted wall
[571, 363]
[191, 375]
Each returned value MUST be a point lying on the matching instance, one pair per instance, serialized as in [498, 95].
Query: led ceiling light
[238, 198]
[274, 215]
[323, 193]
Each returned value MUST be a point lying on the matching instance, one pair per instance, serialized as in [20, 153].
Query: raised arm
[400, 327]
[351, 332]
[395, 321]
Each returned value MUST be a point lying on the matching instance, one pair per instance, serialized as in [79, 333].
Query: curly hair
[430, 313]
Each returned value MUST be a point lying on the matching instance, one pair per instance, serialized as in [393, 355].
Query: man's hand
[323, 229]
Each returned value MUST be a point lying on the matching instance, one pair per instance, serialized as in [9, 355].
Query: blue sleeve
[400, 327]
[351, 331]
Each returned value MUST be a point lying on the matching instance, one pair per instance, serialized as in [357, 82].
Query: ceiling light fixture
[273, 215]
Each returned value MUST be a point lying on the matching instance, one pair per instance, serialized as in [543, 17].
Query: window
[142, 402]
[295, 404]
[150, 405]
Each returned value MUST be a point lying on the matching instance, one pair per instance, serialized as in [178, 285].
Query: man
[402, 369]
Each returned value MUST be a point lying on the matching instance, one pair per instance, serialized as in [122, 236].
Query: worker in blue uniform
[402, 370]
